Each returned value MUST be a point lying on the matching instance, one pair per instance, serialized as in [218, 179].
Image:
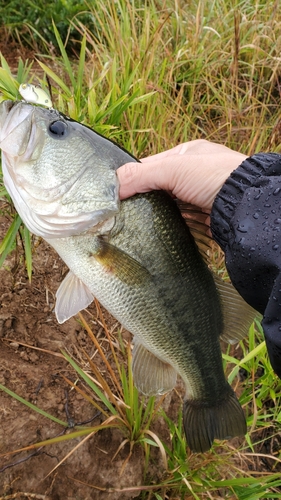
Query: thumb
[138, 177]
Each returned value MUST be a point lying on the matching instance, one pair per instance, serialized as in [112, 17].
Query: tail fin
[204, 422]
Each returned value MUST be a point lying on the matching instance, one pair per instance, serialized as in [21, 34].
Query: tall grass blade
[8, 242]
[91, 384]
[32, 406]
[56, 79]
[27, 250]
[66, 61]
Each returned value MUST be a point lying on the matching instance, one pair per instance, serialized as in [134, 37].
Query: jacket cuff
[248, 174]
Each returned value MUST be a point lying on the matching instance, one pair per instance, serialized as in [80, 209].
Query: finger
[159, 156]
[179, 149]
[140, 178]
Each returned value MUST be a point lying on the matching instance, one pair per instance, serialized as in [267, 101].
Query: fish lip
[8, 110]
[10, 104]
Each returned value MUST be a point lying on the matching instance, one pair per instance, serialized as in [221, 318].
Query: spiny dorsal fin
[195, 219]
[151, 375]
[238, 315]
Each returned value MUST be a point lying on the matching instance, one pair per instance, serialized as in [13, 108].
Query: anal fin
[151, 375]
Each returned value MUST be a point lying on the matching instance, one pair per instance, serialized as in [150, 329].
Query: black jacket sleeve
[246, 223]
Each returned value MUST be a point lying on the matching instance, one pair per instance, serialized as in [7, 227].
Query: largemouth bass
[137, 257]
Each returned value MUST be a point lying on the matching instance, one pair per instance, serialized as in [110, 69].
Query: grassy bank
[152, 75]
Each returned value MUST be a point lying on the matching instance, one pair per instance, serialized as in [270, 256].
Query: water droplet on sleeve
[258, 195]
[242, 228]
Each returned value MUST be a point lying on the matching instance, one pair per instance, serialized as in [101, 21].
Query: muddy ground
[28, 329]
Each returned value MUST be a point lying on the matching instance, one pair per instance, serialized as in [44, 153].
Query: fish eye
[58, 128]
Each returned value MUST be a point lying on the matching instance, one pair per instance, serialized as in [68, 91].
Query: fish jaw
[61, 185]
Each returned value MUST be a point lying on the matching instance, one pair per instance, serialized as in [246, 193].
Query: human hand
[193, 172]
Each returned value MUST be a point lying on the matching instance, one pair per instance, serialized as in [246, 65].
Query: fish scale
[137, 257]
[166, 311]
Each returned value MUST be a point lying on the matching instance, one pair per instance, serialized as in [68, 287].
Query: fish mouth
[7, 106]
[10, 104]
[14, 115]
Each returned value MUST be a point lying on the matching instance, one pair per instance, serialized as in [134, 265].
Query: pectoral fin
[72, 296]
[119, 263]
[151, 375]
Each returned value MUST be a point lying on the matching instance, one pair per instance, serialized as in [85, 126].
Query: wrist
[253, 173]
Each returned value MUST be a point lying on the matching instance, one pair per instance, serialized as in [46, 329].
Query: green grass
[152, 75]
[30, 22]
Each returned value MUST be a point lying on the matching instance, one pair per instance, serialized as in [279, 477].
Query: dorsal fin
[196, 219]
[237, 314]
